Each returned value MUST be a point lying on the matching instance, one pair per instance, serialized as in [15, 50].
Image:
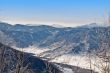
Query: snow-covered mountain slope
[92, 25]
[63, 45]
[73, 69]
[5, 39]
[82, 61]
[66, 63]
[13, 61]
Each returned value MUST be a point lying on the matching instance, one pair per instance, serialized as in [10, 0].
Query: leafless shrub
[103, 55]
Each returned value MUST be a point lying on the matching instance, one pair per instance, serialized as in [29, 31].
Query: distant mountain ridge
[92, 25]
[72, 39]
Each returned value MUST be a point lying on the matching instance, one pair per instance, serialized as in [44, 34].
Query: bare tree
[103, 54]
[2, 59]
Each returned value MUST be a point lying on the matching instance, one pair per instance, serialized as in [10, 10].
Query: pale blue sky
[63, 12]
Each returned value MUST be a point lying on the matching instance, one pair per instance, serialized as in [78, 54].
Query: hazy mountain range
[74, 39]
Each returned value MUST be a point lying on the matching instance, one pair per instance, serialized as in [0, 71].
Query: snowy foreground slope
[13, 61]
[68, 59]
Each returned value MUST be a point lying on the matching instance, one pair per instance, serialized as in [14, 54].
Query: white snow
[75, 60]
[82, 61]
[36, 51]
[64, 70]
[67, 70]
